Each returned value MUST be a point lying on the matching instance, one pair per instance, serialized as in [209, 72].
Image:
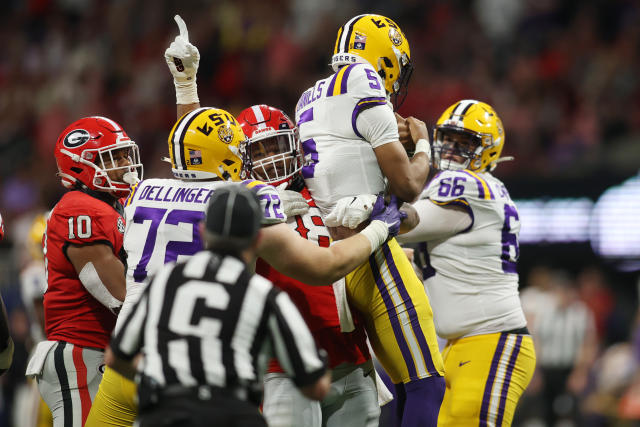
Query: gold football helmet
[205, 144]
[468, 135]
[34, 242]
[380, 42]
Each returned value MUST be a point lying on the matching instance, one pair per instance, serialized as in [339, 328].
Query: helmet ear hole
[387, 62]
[76, 169]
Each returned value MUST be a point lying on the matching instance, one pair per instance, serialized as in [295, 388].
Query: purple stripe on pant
[484, 409]
[393, 318]
[413, 315]
[507, 379]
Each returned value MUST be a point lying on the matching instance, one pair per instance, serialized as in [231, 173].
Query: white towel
[384, 395]
[36, 363]
[344, 311]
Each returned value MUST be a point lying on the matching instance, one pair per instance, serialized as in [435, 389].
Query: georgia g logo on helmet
[76, 138]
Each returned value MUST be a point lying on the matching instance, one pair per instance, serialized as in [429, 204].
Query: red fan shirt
[71, 313]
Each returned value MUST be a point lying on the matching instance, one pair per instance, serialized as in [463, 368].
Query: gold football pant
[485, 377]
[116, 403]
[397, 314]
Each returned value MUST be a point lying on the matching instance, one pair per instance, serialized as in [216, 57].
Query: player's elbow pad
[93, 284]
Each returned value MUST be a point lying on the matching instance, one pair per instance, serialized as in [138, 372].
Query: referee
[205, 328]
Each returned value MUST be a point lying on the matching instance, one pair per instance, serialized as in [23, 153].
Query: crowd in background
[562, 74]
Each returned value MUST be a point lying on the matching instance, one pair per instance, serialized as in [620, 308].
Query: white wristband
[423, 146]
[377, 233]
[186, 92]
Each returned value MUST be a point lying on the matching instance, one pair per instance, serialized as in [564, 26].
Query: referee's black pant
[185, 411]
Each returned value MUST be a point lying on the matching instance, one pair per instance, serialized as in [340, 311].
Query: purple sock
[400, 397]
[422, 402]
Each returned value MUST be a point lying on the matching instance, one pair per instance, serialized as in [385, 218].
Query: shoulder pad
[449, 186]
[269, 200]
[358, 80]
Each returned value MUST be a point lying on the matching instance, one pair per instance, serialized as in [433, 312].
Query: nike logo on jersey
[464, 363]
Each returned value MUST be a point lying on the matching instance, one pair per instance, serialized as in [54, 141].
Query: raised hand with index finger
[183, 60]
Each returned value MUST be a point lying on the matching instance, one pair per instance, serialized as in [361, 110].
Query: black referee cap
[233, 217]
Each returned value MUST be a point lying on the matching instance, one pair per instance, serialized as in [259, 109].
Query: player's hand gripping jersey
[71, 313]
[474, 270]
[339, 128]
[163, 216]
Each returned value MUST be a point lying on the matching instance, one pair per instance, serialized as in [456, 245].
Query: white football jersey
[162, 224]
[339, 159]
[474, 271]
[33, 284]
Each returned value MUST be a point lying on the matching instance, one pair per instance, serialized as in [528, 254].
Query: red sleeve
[88, 220]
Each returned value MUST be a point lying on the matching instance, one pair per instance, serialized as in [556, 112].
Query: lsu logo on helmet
[225, 134]
[205, 144]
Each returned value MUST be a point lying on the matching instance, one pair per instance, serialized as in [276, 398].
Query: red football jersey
[71, 313]
[317, 304]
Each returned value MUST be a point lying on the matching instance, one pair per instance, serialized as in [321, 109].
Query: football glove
[351, 211]
[389, 214]
[293, 203]
[183, 60]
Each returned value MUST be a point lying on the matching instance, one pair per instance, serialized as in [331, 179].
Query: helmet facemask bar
[105, 156]
[456, 147]
[401, 86]
[274, 157]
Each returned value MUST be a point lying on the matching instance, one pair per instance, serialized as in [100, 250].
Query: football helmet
[272, 151]
[90, 148]
[205, 144]
[478, 134]
[36, 231]
[380, 42]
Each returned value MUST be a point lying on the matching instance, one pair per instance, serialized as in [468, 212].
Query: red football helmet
[88, 149]
[272, 152]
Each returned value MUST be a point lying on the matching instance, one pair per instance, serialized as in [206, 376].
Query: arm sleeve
[436, 222]
[293, 344]
[378, 125]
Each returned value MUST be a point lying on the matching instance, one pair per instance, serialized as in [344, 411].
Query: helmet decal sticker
[225, 134]
[76, 138]
[360, 41]
[395, 36]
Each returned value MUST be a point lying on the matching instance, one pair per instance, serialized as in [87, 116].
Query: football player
[164, 215]
[469, 232]
[273, 155]
[97, 162]
[351, 144]
[33, 283]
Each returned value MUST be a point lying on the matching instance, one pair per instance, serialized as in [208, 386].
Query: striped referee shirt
[209, 321]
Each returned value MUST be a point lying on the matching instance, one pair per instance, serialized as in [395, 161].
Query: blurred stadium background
[563, 75]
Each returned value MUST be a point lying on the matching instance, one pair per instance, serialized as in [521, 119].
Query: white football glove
[351, 211]
[292, 202]
[183, 60]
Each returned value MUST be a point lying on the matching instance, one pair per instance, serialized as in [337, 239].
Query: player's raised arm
[183, 59]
